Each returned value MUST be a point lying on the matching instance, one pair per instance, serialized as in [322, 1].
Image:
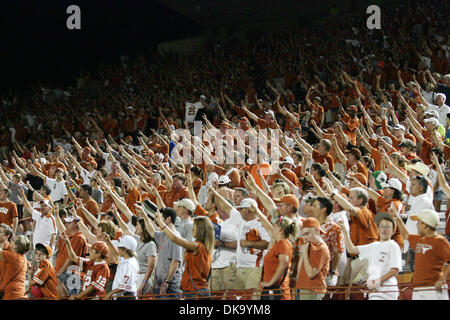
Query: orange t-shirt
[271, 262]
[91, 206]
[319, 258]
[169, 197]
[79, 246]
[197, 267]
[321, 158]
[95, 274]
[361, 168]
[317, 114]
[13, 276]
[350, 130]
[132, 197]
[363, 229]
[46, 277]
[431, 255]
[264, 124]
[383, 205]
[8, 211]
[200, 211]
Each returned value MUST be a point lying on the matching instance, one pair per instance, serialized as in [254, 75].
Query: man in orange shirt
[68, 226]
[88, 203]
[8, 210]
[363, 229]
[432, 254]
[314, 262]
[177, 191]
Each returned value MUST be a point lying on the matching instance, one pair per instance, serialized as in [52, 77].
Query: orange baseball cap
[101, 248]
[312, 223]
[360, 177]
[290, 199]
[44, 248]
[353, 108]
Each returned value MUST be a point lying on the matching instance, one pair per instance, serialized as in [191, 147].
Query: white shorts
[429, 293]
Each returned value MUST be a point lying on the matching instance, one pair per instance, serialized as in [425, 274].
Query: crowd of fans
[97, 202]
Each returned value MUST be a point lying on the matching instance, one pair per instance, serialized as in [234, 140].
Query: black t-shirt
[36, 182]
[442, 88]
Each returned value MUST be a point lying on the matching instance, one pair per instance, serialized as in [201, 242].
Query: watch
[332, 272]
[167, 281]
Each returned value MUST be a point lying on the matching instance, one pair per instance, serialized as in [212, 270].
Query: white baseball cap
[393, 183]
[399, 127]
[420, 167]
[429, 217]
[433, 120]
[270, 112]
[246, 203]
[288, 160]
[224, 180]
[185, 203]
[127, 242]
[46, 202]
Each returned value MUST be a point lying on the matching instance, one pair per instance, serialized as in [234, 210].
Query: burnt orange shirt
[169, 197]
[322, 158]
[317, 114]
[271, 262]
[132, 197]
[200, 211]
[431, 255]
[46, 278]
[8, 211]
[319, 258]
[383, 205]
[363, 229]
[92, 206]
[13, 275]
[197, 267]
[79, 245]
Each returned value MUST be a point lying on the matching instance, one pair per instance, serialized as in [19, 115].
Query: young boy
[384, 259]
[44, 282]
[95, 270]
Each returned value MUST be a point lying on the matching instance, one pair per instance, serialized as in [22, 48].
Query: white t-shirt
[126, 275]
[442, 111]
[222, 257]
[191, 110]
[87, 176]
[43, 229]
[244, 257]
[418, 204]
[382, 257]
[341, 216]
[58, 189]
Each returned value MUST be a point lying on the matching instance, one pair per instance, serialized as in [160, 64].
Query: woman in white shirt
[384, 259]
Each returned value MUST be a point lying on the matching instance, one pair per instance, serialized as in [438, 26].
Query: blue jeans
[169, 291]
[198, 295]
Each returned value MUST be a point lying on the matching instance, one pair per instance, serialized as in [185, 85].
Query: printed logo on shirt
[423, 248]
[4, 210]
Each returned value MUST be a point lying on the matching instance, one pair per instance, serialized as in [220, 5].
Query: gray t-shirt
[97, 195]
[184, 227]
[167, 251]
[143, 251]
[14, 191]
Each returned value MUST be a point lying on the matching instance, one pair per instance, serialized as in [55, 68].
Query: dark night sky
[36, 45]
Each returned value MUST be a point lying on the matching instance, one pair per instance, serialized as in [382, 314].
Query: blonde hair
[204, 232]
[281, 184]
[290, 227]
[23, 244]
[109, 227]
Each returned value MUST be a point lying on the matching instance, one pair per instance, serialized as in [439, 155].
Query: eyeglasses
[384, 227]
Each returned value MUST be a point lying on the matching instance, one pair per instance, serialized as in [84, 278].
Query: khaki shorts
[222, 279]
[247, 279]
